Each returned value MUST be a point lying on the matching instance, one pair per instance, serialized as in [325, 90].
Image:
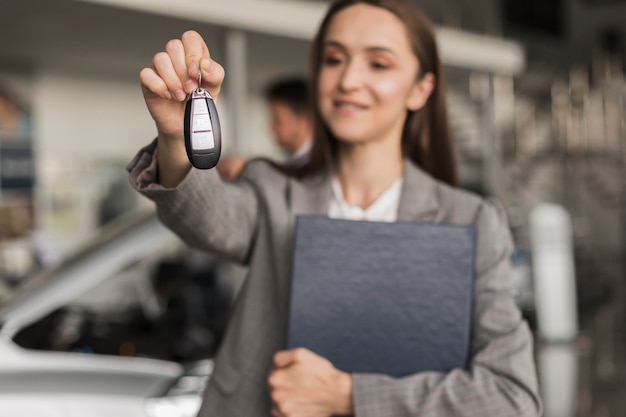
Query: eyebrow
[368, 49]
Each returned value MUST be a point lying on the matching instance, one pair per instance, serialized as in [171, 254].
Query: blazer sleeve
[501, 380]
[202, 210]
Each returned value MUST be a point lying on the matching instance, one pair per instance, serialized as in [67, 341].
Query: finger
[212, 78]
[164, 67]
[196, 53]
[274, 378]
[197, 57]
[151, 82]
[278, 396]
[176, 52]
[284, 358]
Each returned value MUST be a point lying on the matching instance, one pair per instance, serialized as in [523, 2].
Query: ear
[420, 92]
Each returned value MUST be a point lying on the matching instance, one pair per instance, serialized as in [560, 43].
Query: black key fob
[203, 136]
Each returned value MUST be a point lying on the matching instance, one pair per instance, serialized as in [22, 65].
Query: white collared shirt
[383, 209]
[303, 150]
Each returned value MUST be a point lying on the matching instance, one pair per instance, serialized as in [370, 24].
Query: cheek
[289, 127]
[393, 89]
[324, 84]
[324, 92]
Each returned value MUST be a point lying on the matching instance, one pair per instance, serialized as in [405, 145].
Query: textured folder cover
[390, 298]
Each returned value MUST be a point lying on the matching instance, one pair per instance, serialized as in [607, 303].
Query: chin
[349, 135]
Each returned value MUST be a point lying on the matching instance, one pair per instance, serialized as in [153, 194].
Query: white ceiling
[80, 36]
[87, 35]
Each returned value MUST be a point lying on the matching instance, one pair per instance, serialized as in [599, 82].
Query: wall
[87, 127]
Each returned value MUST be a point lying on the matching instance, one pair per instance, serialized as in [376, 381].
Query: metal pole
[236, 83]
[492, 152]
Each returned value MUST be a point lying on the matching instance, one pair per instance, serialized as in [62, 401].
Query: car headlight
[184, 397]
[176, 406]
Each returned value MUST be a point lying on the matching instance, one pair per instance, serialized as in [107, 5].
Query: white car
[93, 336]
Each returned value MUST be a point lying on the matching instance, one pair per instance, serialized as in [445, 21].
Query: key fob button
[201, 123]
[200, 106]
[203, 140]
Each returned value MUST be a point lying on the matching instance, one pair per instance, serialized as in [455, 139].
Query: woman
[381, 136]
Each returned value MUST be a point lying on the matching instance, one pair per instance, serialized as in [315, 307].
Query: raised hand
[165, 87]
[173, 76]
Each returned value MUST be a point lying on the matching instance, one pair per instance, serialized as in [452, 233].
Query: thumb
[285, 358]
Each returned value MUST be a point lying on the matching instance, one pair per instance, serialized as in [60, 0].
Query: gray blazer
[252, 220]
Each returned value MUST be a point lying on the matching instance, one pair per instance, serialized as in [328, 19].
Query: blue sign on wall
[17, 162]
[17, 166]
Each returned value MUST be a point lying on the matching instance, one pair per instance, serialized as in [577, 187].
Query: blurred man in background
[290, 119]
[290, 123]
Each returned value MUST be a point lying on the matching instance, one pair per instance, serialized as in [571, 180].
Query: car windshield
[42, 276]
[133, 290]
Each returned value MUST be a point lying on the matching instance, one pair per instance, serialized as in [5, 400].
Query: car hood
[123, 242]
[68, 372]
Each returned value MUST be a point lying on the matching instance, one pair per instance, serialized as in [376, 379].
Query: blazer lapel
[311, 196]
[419, 200]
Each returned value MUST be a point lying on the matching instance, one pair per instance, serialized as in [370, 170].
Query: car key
[203, 136]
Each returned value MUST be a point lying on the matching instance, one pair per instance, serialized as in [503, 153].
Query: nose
[351, 76]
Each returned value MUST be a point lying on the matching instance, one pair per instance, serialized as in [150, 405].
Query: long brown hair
[426, 137]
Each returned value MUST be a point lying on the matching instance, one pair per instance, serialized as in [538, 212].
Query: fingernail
[180, 95]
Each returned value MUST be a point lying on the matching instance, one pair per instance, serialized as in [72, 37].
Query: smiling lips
[347, 107]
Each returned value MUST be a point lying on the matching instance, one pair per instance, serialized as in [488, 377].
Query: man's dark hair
[293, 92]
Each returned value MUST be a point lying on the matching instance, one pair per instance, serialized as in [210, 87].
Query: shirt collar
[384, 208]
[304, 149]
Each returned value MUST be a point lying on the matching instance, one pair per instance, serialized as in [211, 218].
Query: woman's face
[368, 76]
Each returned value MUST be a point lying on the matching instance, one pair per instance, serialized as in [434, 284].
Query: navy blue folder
[389, 298]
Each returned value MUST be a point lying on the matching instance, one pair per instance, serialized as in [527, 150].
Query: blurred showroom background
[537, 99]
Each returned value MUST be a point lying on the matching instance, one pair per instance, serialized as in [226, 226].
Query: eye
[332, 61]
[379, 66]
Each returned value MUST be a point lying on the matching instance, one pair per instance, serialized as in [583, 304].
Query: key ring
[198, 92]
